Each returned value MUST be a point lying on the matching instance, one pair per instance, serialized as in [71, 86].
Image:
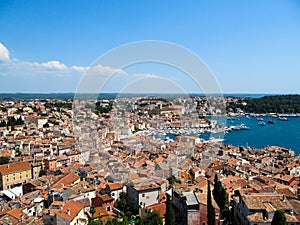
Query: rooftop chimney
[69, 212]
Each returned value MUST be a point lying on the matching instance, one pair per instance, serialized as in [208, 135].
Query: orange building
[14, 174]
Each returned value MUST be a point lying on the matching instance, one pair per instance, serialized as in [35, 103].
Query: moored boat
[244, 127]
[283, 118]
[241, 127]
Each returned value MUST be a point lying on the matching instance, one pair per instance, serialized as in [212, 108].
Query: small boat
[260, 118]
[282, 118]
[244, 127]
[236, 128]
[261, 123]
[271, 122]
[241, 127]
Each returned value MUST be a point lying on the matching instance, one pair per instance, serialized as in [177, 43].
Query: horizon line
[224, 93]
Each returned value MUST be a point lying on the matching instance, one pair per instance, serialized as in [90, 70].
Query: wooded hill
[269, 104]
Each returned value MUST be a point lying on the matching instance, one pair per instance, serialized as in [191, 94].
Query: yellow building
[14, 174]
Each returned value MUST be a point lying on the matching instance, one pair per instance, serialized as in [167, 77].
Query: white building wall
[148, 198]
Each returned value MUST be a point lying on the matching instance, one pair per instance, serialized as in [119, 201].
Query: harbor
[251, 130]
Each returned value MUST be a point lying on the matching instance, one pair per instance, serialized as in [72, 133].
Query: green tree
[170, 216]
[92, 210]
[152, 218]
[18, 152]
[2, 123]
[211, 216]
[268, 104]
[173, 180]
[122, 202]
[221, 197]
[95, 223]
[46, 125]
[3, 160]
[113, 221]
[117, 221]
[19, 121]
[216, 191]
[279, 218]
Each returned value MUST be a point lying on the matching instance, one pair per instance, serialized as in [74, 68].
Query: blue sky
[251, 46]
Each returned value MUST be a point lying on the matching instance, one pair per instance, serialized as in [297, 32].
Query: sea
[282, 133]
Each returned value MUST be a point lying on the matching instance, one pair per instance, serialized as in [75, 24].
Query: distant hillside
[270, 104]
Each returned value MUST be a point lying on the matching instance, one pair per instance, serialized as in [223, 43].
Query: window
[112, 194]
[143, 195]
[108, 208]
[204, 223]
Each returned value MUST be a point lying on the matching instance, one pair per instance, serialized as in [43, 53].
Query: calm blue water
[282, 133]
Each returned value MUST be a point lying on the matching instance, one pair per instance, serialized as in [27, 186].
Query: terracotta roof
[146, 185]
[256, 217]
[86, 202]
[115, 186]
[103, 214]
[233, 161]
[160, 208]
[287, 192]
[68, 179]
[257, 201]
[70, 210]
[158, 160]
[100, 211]
[16, 213]
[14, 167]
[286, 178]
[106, 198]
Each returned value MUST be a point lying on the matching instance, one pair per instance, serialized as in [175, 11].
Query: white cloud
[4, 53]
[54, 76]
[54, 65]
[99, 70]
[79, 68]
[104, 70]
[145, 75]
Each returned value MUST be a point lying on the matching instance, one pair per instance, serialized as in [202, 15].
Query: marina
[246, 130]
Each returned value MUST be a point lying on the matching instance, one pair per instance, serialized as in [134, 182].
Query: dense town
[111, 162]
